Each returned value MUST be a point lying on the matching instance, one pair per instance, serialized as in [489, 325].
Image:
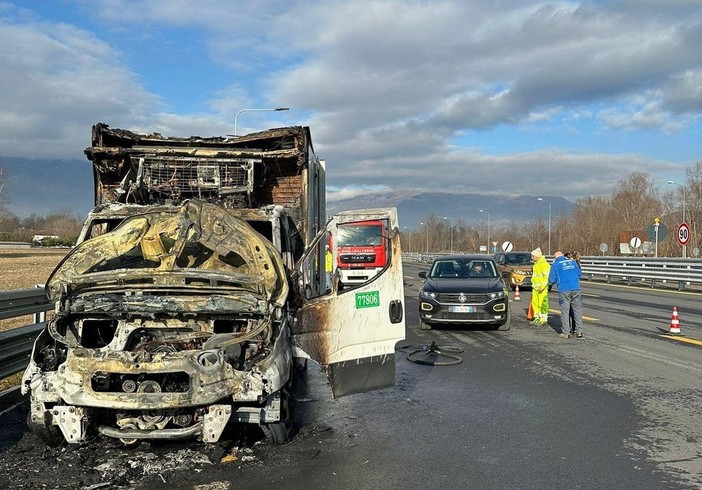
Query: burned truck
[197, 280]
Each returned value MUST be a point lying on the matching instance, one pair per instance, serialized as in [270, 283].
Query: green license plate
[369, 299]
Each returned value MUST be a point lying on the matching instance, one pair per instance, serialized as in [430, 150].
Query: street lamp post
[451, 226]
[684, 247]
[427, 226]
[409, 237]
[488, 237]
[236, 118]
[549, 222]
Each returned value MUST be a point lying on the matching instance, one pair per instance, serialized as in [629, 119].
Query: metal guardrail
[655, 272]
[682, 274]
[24, 302]
[16, 347]
[16, 344]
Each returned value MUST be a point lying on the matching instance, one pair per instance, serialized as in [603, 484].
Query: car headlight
[426, 294]
[497, 295]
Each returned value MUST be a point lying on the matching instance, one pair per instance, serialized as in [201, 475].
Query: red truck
[361, 251]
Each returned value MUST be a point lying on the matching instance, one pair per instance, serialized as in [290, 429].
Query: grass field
[25, 268]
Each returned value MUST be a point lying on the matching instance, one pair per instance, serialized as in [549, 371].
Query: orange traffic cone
[530, 313]
[675, 322]
[517, 297]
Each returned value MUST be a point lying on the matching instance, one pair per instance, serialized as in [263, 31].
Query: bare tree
[592, 222]
[635, 201]
[693, 204]
[3, 204]
[63, 224]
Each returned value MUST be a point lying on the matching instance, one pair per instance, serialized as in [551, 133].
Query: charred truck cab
[197, 278]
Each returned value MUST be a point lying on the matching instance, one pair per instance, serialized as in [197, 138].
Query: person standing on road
[571, 316]
[328, 266]
[539, 287]
[565, 274]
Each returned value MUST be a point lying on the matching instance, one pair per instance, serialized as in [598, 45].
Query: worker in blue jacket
[565, 274]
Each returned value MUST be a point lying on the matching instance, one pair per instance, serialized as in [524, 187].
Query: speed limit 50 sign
[683, 233]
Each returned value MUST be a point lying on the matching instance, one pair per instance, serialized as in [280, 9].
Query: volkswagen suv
[463, 289]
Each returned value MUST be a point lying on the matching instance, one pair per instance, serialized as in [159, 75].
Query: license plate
[461, 309]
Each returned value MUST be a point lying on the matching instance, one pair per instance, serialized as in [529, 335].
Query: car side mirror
[422, 274]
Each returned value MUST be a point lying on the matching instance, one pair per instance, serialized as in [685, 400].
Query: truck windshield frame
[360, 235]
[362, 248]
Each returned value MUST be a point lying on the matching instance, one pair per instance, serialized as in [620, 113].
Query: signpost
[656, 232]
[683, 236]
[507, 246]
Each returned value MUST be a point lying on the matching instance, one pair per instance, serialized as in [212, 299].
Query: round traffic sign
[657, 228]
[683, 234]
[507, 246]
[635, 242]
[603, 247]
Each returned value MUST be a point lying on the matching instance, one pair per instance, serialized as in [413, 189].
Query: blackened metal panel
[361, 375]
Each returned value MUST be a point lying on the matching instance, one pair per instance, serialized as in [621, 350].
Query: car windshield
[463, 268]
[518, 259]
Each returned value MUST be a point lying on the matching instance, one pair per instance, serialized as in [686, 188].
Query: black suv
[463, 289]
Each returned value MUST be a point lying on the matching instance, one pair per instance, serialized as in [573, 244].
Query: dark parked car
[515, 268]
[464, 289]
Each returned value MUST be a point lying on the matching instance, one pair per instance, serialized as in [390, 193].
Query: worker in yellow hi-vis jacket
[539, 287]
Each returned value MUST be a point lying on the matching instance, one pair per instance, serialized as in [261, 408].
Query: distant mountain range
[415, 208]
[42, 187]
[45, 186]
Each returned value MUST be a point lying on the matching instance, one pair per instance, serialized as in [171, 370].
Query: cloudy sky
[508, 96]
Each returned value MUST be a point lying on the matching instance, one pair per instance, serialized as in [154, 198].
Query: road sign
[603, 247]
[507, 246]
[635, 242]
[651, 232]
[683, 234]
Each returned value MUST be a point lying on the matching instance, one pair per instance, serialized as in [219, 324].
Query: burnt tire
[277, 433]
[46, 431]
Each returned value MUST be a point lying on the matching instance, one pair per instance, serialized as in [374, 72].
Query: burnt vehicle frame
[181, 308]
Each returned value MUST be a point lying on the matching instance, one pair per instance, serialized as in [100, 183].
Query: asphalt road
[524, 409]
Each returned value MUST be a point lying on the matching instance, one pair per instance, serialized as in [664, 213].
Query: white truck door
[352, 332]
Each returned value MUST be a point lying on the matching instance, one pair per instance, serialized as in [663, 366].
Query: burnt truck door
[352, 332]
